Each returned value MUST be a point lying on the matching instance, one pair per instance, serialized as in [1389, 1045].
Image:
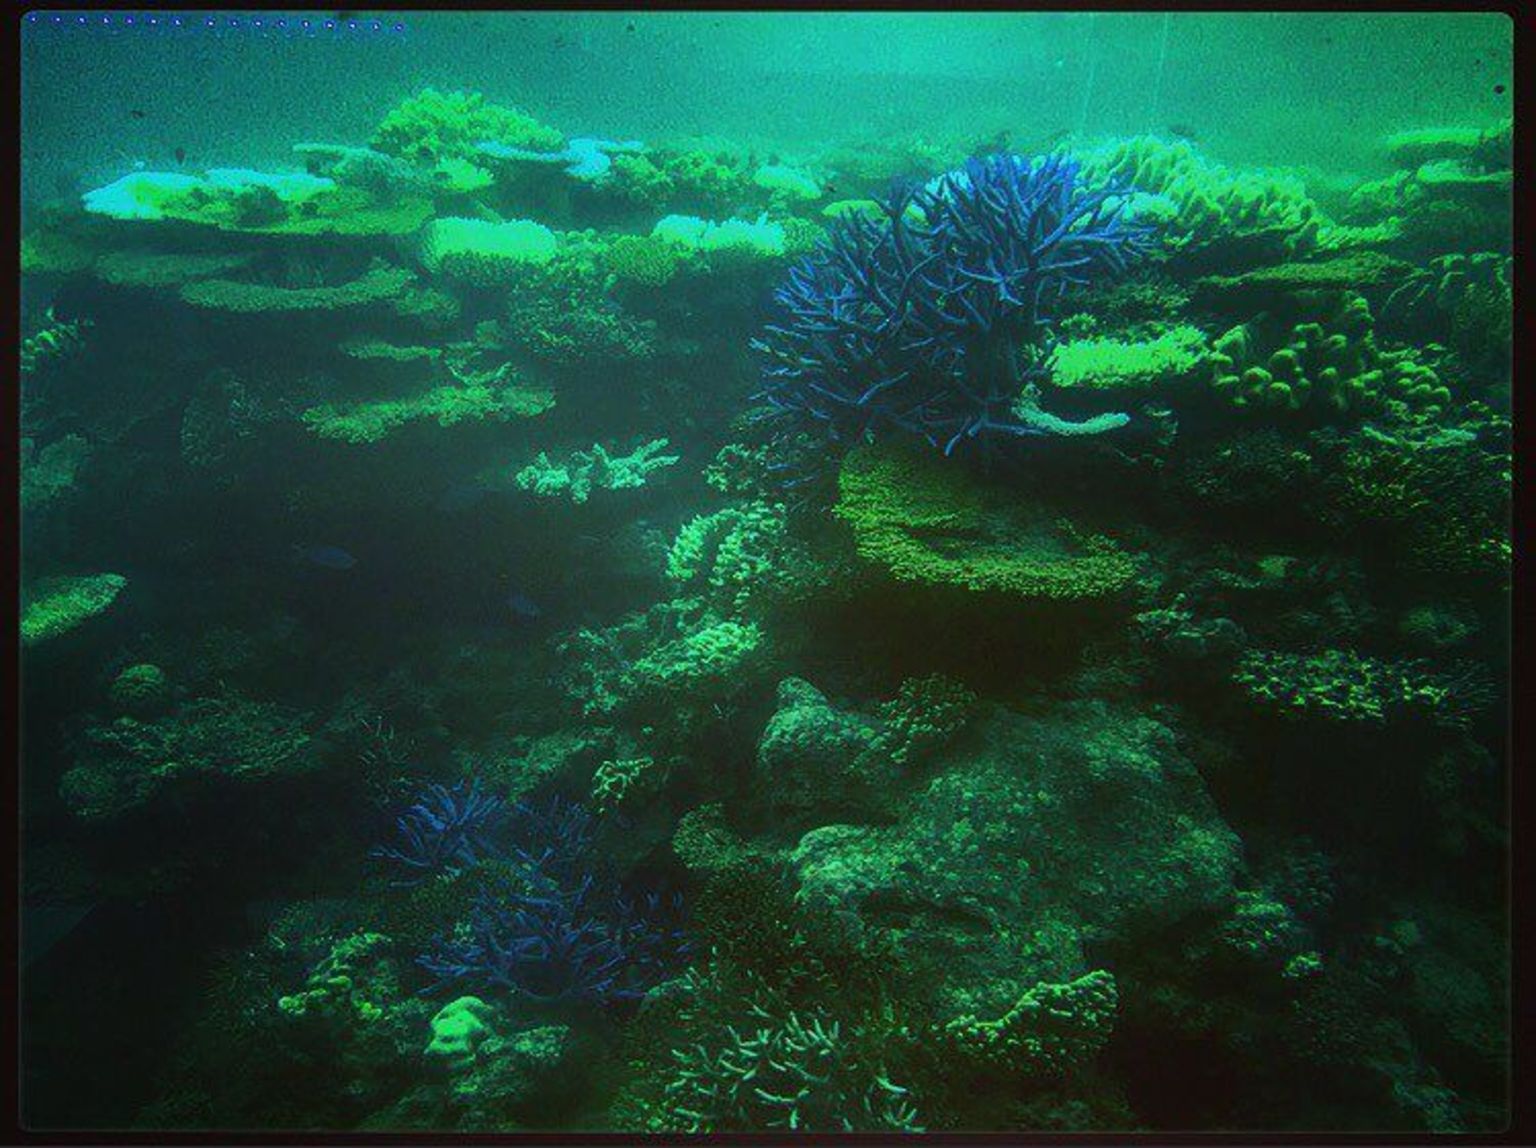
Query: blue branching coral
[446, 830]
[935, 318]
[559, 943]
[559, 934]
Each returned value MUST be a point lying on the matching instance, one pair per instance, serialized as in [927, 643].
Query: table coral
[931, 525]
[52, 607]
[372, 420]
[377, 285]
[1116, 364]
[481, 253]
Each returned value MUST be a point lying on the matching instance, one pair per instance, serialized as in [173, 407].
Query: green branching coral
[1331, 366]
[923, 716]
[702, 181]
[785, 1069]
[1346, 686]
[432, 126]
[583, 471]
[1052, 1030]
[1114, 364]
[1261, 928]
[636, 179]
[54, 606]
[372, 420]
[740, 557]
[620, 780]
[338, 984]
[928, 523]
[140, 690]
[704, 659]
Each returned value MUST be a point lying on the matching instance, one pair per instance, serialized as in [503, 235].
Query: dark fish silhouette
[1179, 131]
[181, 155]
[136, 113]
[330, 557]
[523, 607]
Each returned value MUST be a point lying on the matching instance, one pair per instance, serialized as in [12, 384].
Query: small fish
[1179, 131]
[136, 113]
[630, 27]
[1498, 89]
[330, 557]
[523, 607]
[181, 155]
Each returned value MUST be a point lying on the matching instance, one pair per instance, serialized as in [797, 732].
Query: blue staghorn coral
[933, 319]
[559, 934]
[446, 830]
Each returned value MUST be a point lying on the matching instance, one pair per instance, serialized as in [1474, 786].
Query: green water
[765, 572]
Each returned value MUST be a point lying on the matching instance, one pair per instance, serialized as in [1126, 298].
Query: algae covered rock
[812, 758]
[1034, 834]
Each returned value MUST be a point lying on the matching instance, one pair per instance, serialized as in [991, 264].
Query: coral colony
[936, 319]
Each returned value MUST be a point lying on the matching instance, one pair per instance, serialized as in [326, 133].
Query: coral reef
[761, 636]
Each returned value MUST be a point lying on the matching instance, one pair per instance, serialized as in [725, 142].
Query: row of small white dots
[232, 22]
